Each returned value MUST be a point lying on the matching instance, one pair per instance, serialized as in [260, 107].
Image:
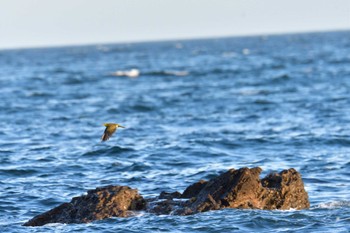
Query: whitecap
[177, 73]
[246, 51]
[133, 73]
[55, 225]
[333, 205]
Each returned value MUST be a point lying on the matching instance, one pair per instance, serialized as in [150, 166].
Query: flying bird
[110, 129]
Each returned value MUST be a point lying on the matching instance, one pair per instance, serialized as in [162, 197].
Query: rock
[240, 188]
[243, 189]
[101, 203]
[165, 195]
[194, 189]
[160, 206]
[286, 191]
[164, 207]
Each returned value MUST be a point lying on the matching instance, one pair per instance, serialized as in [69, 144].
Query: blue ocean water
[195, 109]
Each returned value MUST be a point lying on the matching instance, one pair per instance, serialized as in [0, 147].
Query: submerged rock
[240, 188]
[100, 203]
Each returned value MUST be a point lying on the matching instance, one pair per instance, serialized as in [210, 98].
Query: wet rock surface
[243, 189]
[240, 188]
[100, 203]
[194, 189]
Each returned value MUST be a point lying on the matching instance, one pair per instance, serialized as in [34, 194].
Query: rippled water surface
[196, 109]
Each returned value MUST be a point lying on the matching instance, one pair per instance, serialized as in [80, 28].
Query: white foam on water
[333, 205]
[133, 73]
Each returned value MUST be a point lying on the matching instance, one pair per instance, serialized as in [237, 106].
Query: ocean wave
[142, 107]
[63, 70]
[107, 151]
[333, 205]
[39, 94]
[133, 73]
[195, 71]
[168, 73]
[263, 102]
[190, 117]
[133, 107]
[4, 151]
[40, 148]
[18, 172]
[136, 167]
[281, 78]
[74, 80]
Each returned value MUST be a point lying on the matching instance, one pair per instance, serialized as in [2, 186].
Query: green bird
[110, 129]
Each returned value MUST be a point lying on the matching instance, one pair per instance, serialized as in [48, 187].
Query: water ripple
[196, 109]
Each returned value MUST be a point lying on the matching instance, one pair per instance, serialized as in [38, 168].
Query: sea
[192, 109]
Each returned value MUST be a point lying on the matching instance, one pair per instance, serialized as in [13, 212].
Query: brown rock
[240, 188]
[243, 189]
[161, 207]
[166, 195]
[101, 203]
[194, 189]
[286, 191]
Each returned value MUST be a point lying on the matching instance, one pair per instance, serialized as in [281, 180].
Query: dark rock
[243, 189]
[101, 203]
[194, 189]
[285, 190]
[240, 188]
[161, 207]
[165, 195]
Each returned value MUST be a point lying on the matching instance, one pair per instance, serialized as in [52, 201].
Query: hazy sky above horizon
[33, 23]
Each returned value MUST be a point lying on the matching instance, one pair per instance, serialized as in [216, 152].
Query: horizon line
[86, 44]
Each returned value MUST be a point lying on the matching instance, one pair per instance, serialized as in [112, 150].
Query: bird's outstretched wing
[108, 133]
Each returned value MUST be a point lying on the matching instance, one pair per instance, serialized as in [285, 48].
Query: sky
[41, 23]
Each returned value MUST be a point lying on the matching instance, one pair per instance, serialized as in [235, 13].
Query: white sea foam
[55, 224]
[133, 73]
[246, 51]
[333, 205]
[177, 73]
